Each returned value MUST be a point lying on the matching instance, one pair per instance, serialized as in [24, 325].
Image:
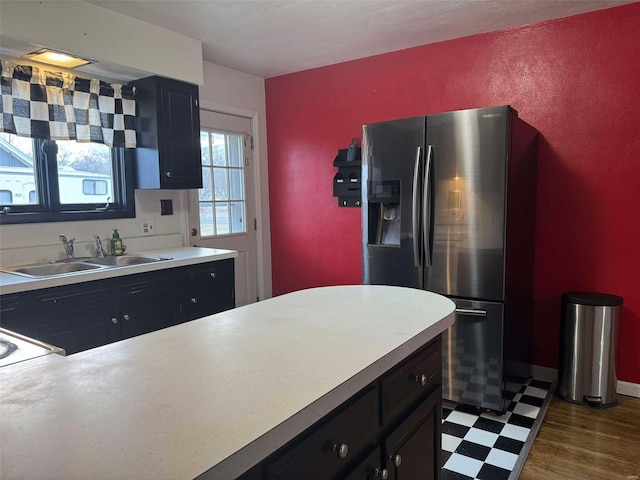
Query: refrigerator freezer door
[389, 154]
[469, 155]
[472, 367]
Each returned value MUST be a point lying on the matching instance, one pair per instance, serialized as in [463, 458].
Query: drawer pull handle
[396, 459]
[422, 379]
[341, 450]
[382, 474]
[114, 320]
[126, 317]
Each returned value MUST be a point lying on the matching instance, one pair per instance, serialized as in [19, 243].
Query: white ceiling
[274, 37]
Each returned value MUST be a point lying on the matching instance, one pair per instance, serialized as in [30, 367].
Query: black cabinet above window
[168, 133]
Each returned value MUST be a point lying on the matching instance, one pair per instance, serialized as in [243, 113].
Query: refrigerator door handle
[472, 312]
[415, 211]
[426, 208]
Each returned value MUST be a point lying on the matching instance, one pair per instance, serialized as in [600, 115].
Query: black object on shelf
[346, 183]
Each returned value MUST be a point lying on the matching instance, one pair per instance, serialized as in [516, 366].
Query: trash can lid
[592, 298]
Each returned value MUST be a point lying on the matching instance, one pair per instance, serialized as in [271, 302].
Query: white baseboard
[544, 373]
[628, 388]
[551, 375]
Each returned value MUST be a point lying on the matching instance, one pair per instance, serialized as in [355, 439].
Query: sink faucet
[100, 250]
[68, 245]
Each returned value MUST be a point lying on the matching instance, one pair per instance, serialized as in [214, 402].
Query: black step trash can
[588, 347]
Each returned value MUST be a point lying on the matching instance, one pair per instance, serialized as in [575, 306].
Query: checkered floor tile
[486, 446]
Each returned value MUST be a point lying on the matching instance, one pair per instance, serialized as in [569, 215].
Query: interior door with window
[222, 213]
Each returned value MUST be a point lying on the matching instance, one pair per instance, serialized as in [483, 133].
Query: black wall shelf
[346, 183]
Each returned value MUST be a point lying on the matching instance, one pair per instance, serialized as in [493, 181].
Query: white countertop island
[214, 396]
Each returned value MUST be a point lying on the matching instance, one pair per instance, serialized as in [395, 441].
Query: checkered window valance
[60, 106]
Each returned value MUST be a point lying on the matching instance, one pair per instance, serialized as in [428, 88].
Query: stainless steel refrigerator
[448, 205]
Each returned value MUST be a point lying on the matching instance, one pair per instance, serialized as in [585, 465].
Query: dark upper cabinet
[168, 134]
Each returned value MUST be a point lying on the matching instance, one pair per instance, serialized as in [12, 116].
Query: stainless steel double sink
[65, 267]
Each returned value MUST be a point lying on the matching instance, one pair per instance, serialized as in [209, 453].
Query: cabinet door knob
[396, 459]
[341, 450]
[114, 320]
[169, 174]
[422, 379]
[381, 473]
[213, 275]
[126, 317]
[194, 300]
[194, 232]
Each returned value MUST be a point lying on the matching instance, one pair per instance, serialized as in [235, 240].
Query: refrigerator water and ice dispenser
[384, 213]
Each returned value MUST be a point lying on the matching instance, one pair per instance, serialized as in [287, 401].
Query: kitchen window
[62, 180]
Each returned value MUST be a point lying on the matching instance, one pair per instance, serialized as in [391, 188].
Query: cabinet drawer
[213, 274]
[154, 284]
[75, 298]
[332, 448]
[411, 380]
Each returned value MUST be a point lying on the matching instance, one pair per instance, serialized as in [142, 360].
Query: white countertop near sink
[210, 397]
[179, 257]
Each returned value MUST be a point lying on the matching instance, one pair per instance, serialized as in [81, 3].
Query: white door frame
[263, 242]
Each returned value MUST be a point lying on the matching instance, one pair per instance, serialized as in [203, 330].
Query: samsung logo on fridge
[491, 115]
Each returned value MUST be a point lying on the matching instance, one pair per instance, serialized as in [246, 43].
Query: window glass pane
[6, 197]
[206, 192]
[221, 183]
[206, 220]
[235, 150]
[236, 178]
[219, 149]
[17, 172]
[238, 223]
[81, 164]
[205, 151]
[222, 218]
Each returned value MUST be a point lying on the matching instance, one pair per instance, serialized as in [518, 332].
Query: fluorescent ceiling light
[58, 59]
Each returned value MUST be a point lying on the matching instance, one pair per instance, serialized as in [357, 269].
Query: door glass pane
[206, 192]
[84, 172]
[17, 174]
[237, 217]
[205, 151]
[236, 178]
[207, 226]
[235, 150]
[221, 183]
[219, 147]
[222, 218]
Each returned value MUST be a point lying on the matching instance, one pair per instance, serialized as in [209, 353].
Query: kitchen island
[213, 397]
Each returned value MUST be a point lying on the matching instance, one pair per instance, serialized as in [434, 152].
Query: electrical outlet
[147, 227]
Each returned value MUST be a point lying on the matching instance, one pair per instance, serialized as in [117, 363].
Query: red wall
[576, 79]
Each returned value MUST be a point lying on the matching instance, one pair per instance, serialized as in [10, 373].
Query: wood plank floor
[580, 443]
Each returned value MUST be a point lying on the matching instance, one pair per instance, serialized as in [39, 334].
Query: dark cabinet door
[370, 468]
[76, 331]
[413, 449]
[180, 141]
[211, 289]
[148, 302]
[168, 134]
[16, 313]
[77, 317]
